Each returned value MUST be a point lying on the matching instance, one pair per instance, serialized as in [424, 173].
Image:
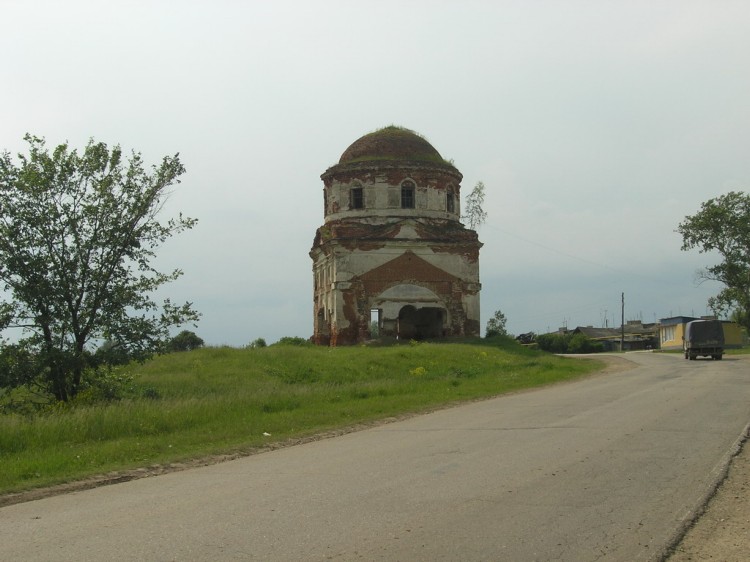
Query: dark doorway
[322, 328]
[420, 324]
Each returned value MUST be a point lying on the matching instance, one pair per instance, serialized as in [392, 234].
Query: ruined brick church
[392, 248]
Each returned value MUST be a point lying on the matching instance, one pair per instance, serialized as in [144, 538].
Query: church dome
[392, 172]
[392, 144]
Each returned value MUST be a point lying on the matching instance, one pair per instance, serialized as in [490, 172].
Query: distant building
[672, 331]
[634, 336]
[392, 248]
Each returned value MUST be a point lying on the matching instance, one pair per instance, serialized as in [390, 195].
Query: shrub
[503, 341]
[256, 343]
[104, 386]
[293, 340]
[568, 343]
[184, 341]
[579, 343]
[554, 343]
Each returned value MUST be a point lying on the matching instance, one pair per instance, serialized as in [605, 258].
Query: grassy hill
[227, 401]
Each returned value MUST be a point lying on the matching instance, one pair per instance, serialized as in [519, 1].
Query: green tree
[186, 340]
[77, 235]
[496, 325]
[740, 317]
[554, 343]
[723, 225]
[579, 343]
[475, 214]
[112, 353]
[294, 340]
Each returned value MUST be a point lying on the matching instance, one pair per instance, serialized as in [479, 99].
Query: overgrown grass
[221, 400]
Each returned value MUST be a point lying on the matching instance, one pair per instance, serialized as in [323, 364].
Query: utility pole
[622, 326]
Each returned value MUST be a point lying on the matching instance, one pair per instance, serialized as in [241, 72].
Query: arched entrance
[409, 311]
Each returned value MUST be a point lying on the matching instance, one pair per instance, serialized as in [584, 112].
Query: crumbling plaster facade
[392, 242]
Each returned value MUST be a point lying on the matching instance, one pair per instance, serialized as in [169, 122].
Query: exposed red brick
[389, 157]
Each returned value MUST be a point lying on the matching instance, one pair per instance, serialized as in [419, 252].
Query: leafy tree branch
[475, 214]
[77, 235]
[723, 226]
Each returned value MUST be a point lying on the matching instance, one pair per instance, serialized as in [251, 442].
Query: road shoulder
[723, 531]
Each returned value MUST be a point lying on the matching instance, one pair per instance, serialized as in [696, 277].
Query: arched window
[407, 195]
[450, 201]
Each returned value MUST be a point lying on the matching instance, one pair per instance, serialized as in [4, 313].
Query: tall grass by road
[225, 400]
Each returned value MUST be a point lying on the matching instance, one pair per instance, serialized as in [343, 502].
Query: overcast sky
[596, 127]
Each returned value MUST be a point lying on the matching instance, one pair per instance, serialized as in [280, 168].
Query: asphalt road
[608, 468]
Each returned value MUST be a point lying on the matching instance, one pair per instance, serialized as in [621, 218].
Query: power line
[668, 280]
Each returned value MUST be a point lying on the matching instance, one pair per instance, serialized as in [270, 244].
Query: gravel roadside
[722, 533]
